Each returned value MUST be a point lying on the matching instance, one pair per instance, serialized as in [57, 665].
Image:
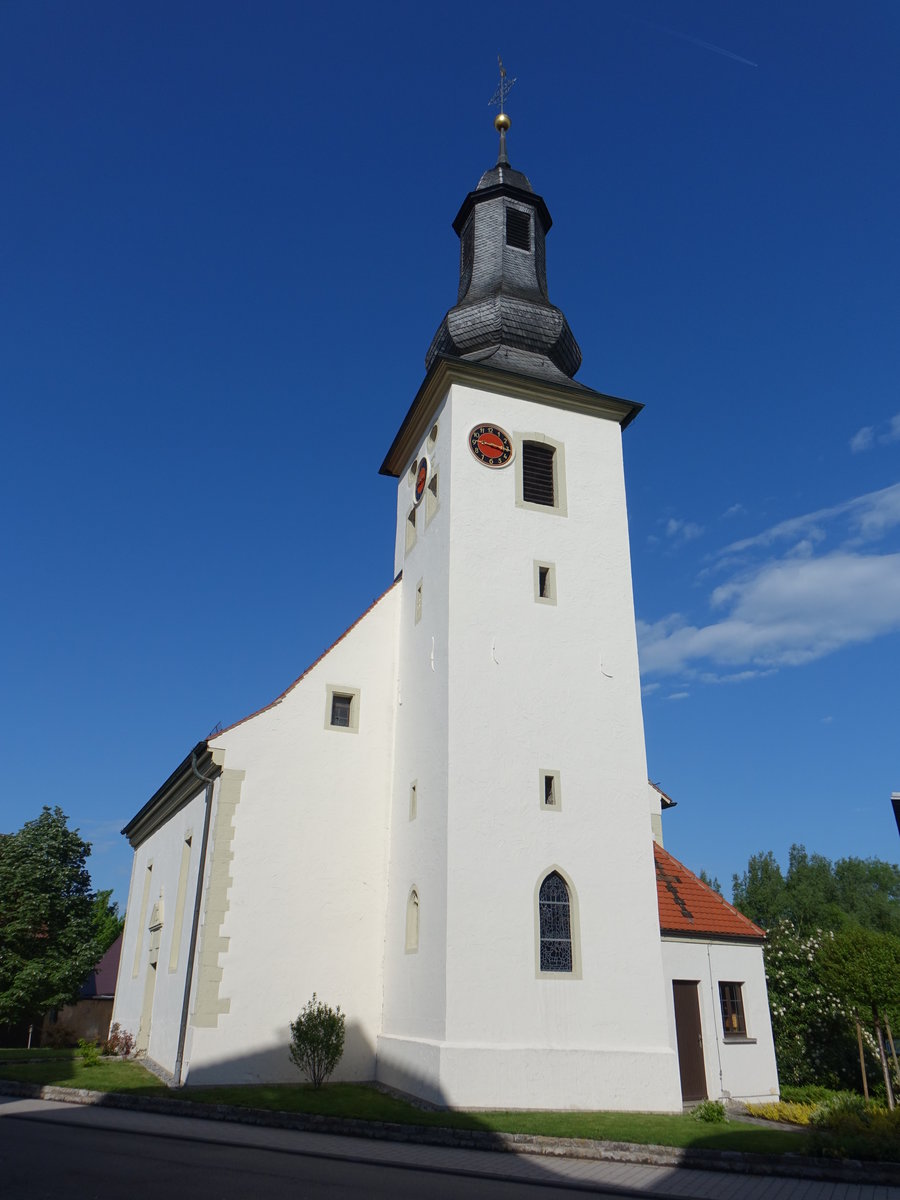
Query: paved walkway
[578, 1174]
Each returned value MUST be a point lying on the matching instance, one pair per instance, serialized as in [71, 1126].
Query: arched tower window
[555, 924]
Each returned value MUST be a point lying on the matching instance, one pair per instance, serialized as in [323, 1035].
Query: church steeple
[503, 314]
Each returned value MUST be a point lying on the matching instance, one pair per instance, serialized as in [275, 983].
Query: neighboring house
[89, 1017]
[444, 824]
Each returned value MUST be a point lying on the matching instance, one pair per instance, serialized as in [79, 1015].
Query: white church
[445, 825]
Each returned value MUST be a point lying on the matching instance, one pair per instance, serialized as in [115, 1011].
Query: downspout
[712, 993]
[195, 923]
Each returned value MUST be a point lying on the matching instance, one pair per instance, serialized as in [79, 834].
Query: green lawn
[104, 1077]
[37, 1054]
[367, 1104]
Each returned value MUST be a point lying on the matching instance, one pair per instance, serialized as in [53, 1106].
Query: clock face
[490, 445]
[421, 478]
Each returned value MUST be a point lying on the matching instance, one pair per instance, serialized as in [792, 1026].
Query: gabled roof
[101, 983]
[689, 908]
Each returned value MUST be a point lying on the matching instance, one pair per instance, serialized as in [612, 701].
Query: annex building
[445, 825]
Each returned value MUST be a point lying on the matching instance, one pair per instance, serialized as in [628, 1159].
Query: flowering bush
[815, 1034]
[119, 1041]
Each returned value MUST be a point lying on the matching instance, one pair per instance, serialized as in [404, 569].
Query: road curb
[735, 1161]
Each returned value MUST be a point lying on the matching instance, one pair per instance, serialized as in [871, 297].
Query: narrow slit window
[555, 924]
[538, 482]
[550, 794]
[544, 582]
[413, 801]
[418, 602]
[412, 922]
[518, 229]
[410, 529]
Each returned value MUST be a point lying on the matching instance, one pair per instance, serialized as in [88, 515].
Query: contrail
[686, 37]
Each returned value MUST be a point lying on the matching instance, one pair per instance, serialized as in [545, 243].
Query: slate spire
[503, 314]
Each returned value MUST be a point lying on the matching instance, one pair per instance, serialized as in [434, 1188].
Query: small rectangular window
[418, 615]
[340, 710]
[545, 583]
[413, 800]
[538, 486]
[518, 229]
[732, 1001]
[550, 790]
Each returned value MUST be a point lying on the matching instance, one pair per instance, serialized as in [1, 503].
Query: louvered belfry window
[556, 925]
[518, 229]
[537, 473]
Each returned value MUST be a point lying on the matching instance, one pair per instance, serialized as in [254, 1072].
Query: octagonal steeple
[503, 313]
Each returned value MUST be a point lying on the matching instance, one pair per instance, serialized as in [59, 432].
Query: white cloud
[734, 511]
[678, 696]
[862, 439]
[648, 689]
[892, 434]
[785, 613]
[682, 531]
[868, 516]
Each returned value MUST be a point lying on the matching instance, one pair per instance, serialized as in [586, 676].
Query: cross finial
[501, 121]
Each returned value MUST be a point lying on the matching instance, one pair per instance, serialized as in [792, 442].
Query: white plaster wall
[415, 996]
[306, 908]
[163, 850]
[532, 686]
[737, 1069]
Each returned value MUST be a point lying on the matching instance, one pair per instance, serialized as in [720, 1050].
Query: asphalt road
[44, 1155]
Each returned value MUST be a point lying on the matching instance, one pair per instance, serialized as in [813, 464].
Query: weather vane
[501, 121]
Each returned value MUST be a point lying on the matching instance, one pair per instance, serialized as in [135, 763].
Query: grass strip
[362, 1103]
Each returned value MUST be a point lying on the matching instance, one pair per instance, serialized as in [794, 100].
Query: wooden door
[689, 1037]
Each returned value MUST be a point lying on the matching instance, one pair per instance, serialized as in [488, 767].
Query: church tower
[522, 951]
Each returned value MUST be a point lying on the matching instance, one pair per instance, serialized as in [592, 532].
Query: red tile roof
[687, 906]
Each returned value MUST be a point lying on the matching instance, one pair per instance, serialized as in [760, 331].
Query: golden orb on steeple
[501, 122]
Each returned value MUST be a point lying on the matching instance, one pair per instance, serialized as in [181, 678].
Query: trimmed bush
[317, 1040]
[783, 1110]
[711, 1111]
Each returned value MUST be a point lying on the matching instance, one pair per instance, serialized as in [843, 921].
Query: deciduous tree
[48, 933]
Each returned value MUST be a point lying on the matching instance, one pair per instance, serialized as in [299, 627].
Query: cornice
[446, 371]
[181, 786]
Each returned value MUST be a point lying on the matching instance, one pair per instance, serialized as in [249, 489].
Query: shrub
[317, 1040]
[847, 1126]
[811, 1093]
[783, 1110]
[118, 1041]
[90, 1053]
[711, 1111]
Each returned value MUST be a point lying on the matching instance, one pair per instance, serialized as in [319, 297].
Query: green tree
[48, 936]
[760, 892]
[108, 924]
[710, 881]
[862, 966]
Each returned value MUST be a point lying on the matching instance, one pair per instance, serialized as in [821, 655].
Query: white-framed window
[540, 473]
[342, 708]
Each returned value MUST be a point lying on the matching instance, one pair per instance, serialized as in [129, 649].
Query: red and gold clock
[421, 478]
[491, 445]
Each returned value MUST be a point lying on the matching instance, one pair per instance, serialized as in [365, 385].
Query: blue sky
[227, 247]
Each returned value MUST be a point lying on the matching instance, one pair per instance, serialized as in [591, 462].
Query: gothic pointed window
[555, 924]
